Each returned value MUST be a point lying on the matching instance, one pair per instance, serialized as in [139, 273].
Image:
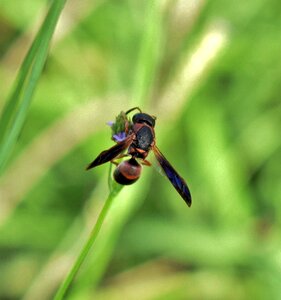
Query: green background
[220, 128]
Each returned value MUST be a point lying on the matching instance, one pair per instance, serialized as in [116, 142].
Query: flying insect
[138, 138]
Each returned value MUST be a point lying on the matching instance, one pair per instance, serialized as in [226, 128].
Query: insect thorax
[144, 138]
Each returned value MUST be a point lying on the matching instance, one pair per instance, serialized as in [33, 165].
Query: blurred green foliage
[108, 56]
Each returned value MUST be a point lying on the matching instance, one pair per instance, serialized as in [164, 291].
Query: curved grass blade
[15, 111]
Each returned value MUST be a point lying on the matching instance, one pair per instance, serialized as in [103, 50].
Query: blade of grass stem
[13, 117]
[13, 100]
[89, 243]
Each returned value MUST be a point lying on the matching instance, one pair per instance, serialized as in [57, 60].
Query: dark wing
[111, 153]
[176, 180]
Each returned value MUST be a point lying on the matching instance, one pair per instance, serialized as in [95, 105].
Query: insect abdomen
[127, 172]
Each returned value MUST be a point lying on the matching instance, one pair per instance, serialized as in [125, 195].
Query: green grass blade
[13, 100]
[16, 109]
[89, 243]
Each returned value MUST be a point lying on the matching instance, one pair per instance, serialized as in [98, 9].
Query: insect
[138, 137]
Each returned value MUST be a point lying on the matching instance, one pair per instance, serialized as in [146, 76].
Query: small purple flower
[110, 123]
[118, 128]
[119, 137]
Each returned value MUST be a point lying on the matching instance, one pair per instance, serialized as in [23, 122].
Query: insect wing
[176, 180]
[111, 153]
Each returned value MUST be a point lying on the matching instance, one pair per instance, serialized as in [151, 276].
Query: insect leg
[145, 162]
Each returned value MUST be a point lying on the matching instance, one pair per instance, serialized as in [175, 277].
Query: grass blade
[15, 111]
[89, 243]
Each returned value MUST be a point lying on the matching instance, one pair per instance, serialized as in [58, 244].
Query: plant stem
[88, 245]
